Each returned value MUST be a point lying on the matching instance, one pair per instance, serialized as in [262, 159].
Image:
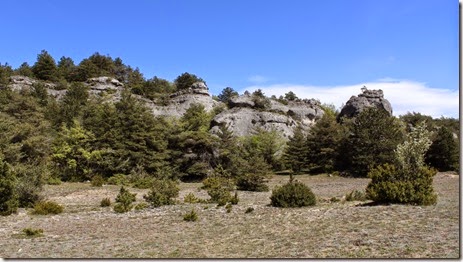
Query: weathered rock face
[243, 118]
[368, 98]
[180, 101]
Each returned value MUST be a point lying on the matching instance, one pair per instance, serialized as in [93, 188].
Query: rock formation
[243, 117]
[368, 98]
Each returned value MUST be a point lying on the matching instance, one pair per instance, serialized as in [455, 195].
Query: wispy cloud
[404, 95]
[257, 79]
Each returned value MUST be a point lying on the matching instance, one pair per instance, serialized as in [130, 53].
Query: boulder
[368, 98]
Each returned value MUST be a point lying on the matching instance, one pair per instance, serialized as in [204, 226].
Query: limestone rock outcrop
[368, 98]
[243, 117]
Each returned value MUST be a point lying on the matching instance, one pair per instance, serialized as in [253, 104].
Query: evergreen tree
[24, 70]
[373, 137]
[72, 155]
[295, 155]
[67, 69]
[185, 80]
[45, 68]
[291, 96]
[323, 143]
[226, 95]
[5, 72]
[444, 153]
[8, 196]
[409, 181]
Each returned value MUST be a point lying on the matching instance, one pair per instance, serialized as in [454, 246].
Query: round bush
[293, 194]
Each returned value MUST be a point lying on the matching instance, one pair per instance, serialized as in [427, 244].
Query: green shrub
[390, 184]
[191, 217]
[143, 183]
[162, 192]
[119, 180]
[192, 199]
[97, 181]
[141, 206]
[249, 210]
[105, 202]
[252, 182]
[356, 195]
[30, 232]
[47, 207]
[334, 199]
[219, 195]
[229, 207]
[217, 181]
[9, 196]
[293, 194]
[53, 180]
[124, 201]
[234, 200]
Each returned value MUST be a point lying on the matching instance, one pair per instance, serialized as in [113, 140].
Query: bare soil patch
[328, 230]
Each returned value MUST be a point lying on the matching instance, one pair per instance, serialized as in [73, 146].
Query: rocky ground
[329, 230]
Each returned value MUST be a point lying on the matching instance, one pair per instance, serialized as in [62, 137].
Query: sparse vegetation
[124, 201]
[105, 202]
[292, 194]
[162, 193]
[47, 207]
[31, 232]
[191, 216]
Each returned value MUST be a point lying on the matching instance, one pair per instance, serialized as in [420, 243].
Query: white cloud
[257, 79]
[404, 95]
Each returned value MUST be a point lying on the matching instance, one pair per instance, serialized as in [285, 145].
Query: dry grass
[328, 230]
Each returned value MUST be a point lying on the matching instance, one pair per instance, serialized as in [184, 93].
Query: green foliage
[24, 70]
[444, 152]
[124, 201]
[31, 232]
[196, 118]
[72, 156]
[47, 207]
[105, 202]
[45, 68]
[5, 72]
[249, 210]
[291, 96]
[322, 144]
[252, 182]
[373, 137]
[141, 206]
[218, 188]
[260, 100]
[410, 182]
[185, 80]
[66, 69]
[191, 216]
[192, 199]
[356, 195]
[390, 184]
[235, 199]
[229, 207]
[162, 192]
[295, 156]
[97, 181]
[410, 154]
[227, 94]
[292, 194]
[266, 144]
[119, 179]
[8, 195]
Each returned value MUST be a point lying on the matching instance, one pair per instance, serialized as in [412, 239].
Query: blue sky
[316, 47]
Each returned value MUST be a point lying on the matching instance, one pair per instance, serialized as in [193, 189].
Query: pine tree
[373, 137]
[323, 143]
[444, 152]
[8, 196]
[45, 68]
[295, 155]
